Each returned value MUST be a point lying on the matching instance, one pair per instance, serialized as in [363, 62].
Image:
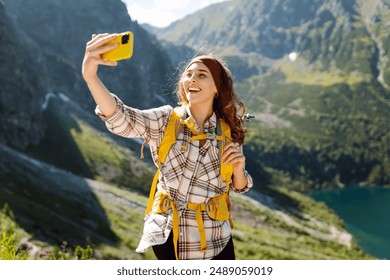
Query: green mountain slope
[73, 182]
[75, 211]
[78, 142]
[314, 74]
[327, 134]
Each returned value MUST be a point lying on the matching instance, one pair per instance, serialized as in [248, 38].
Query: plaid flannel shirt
[190, 174]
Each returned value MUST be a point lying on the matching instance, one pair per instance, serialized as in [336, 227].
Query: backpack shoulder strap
[169, 138]
[226, 169]
[224, 133]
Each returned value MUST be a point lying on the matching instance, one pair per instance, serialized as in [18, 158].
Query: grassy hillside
[327, 133]
[79, 142]
[53, 210]
[308, 230]
[263, 230]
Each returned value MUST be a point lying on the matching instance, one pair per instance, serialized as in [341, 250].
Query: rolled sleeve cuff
[113, 116]
[248, 185]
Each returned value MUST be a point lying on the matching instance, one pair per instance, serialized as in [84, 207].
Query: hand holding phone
[124, 50]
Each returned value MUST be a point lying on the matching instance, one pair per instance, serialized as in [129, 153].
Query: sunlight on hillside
[298, 71]
[97, 149]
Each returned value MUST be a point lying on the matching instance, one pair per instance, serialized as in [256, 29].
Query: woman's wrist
[91, 79]
[240, 180]
[239, 170]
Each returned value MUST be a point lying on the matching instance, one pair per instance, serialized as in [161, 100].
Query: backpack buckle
[210, 133]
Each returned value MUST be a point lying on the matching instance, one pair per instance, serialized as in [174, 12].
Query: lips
[193, 89]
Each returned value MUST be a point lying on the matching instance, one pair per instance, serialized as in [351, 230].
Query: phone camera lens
[125, 39]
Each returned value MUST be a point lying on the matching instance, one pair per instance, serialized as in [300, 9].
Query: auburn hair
[226, 105]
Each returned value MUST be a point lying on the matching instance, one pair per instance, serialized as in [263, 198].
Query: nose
[191, 78]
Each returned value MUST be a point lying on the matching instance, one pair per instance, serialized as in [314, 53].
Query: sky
[161, 13]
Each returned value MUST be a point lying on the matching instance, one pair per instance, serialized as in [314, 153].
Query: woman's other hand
[233, 155]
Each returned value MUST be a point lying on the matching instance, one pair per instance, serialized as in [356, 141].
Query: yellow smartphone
[125, 47]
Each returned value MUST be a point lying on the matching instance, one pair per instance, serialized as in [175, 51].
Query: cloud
[162, 13]
[151, 15]
[173, 5]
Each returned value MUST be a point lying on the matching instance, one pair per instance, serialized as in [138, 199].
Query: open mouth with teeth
[193, 89]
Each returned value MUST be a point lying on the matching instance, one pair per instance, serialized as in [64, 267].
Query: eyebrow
[199, 70]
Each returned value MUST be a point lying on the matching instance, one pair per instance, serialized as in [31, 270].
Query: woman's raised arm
[92, 59]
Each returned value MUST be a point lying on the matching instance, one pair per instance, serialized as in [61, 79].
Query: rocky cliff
[59, 33]
[21, 90]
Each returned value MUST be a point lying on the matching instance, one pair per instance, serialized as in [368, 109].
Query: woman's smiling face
[198, 85]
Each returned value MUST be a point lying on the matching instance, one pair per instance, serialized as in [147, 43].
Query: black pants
[166, 251]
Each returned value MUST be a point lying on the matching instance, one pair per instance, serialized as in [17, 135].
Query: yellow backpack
[218, 208]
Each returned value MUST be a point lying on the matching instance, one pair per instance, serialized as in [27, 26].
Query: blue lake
[366, 214]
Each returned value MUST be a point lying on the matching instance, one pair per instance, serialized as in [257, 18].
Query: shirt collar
[209, 125]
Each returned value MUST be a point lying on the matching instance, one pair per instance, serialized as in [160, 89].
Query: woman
[191, 177]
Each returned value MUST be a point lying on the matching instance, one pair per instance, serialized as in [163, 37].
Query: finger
[97, 50]
[109, 63]
[96, 37]
[100, 40]
[104, 49]
[228, 152]
[229, 145]
[231, 153]
[101, 61]
[231, 148]
[235, 158]
[237, 161]
[236, 146]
